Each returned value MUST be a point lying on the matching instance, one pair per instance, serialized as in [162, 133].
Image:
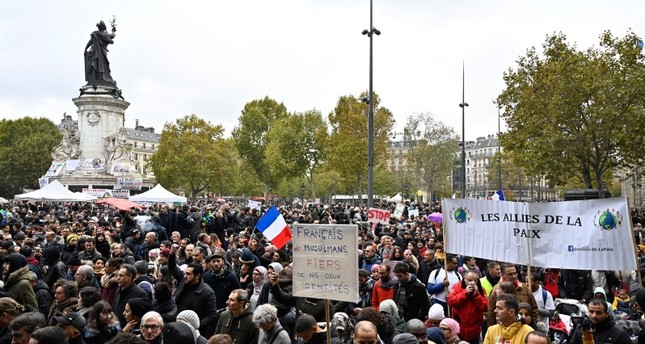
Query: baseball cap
[73, 319]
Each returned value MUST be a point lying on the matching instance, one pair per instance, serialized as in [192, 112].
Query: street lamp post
[463, 106]
[370, 119]
[302, 190]
[499, 152]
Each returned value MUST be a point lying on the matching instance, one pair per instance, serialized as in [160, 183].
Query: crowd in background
[201, 273]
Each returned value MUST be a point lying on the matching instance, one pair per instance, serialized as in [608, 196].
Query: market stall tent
[158, 194]
[53, 192]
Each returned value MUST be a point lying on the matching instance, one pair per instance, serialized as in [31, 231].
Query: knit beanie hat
[375, 267]
[388, 306]
[74, 260]
[72, 237]
[190, 317]
[405, 338]
[452, 324]
[140, 306]
[436, 312]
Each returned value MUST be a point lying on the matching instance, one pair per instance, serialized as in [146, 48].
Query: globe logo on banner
[460, 215]
[608, 219]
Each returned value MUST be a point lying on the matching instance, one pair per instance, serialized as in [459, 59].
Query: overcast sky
[174, 58]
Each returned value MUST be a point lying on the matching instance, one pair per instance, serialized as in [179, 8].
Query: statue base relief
[100, 115]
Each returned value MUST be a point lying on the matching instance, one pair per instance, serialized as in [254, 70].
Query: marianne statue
[97, 66]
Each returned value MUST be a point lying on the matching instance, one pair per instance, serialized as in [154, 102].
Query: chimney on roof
[136, 123]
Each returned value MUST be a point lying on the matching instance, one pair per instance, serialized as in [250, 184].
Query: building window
[145, 170]
[145, 157]
[136, 156]
[135, 144]
[153, 146]
[144, 145]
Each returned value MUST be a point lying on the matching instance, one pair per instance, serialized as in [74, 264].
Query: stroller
[572, 313]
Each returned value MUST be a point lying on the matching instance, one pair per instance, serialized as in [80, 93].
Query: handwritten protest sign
[375, 215]
[325, 261]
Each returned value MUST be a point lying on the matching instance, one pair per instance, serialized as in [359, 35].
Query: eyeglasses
[150, 327]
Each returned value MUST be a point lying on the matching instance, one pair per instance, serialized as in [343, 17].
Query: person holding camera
[468, 302]
[605, 329]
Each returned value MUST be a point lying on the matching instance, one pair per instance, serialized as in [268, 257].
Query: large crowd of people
[201, 273]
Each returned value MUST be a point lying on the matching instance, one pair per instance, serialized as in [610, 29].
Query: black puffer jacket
[606, 332]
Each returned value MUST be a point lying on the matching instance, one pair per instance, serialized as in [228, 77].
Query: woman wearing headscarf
[259, 280]
[450, 328]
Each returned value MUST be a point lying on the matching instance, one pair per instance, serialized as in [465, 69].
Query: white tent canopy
[53, 192]
[158, 194]
[396, 199]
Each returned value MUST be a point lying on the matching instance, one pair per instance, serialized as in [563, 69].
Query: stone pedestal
[100, 115]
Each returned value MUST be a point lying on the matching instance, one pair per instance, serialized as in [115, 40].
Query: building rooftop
[142, 135]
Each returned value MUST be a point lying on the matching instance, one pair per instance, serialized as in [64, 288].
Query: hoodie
[499, 333]
[19, 282]
[610, 307]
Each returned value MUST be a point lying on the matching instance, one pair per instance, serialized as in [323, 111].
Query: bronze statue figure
[97, 66]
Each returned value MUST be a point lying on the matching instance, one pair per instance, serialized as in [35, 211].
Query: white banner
[587, 235]
[325, 261]
[54, 169]
[375, 215]
[129, 183]
[107, 193]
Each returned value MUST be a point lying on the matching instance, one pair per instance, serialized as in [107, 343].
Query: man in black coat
[167, 220]
[127, 291]
[184, 222]
[193, 294]
[575, 284]
[427, 265]
[605, 328]
[410, 295]
[57, 269]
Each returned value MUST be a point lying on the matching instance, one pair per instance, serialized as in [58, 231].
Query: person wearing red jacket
[468, 303]
[384, 287]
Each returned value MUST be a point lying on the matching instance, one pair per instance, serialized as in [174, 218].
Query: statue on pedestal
[97, 66]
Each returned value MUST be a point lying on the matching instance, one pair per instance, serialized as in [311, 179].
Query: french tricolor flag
[497, 196]
[273, 226]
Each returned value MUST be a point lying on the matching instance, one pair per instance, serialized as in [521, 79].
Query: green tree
[432, 145]
[192, 155]
[255, 122]
[347, 152]
[25, 152]
[576, 114]
[296, 146]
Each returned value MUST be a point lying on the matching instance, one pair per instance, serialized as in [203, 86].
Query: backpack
[436, 273]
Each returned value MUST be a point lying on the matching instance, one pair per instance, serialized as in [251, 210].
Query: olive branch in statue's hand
[113, 23]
